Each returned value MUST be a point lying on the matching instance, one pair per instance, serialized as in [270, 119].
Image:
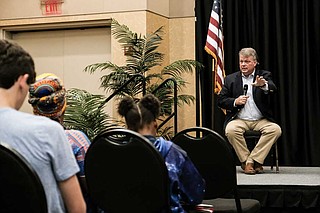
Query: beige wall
[141, 16]
[160, 7]
[181, 9]
[14, 9]
[182, 46]
[59, 52]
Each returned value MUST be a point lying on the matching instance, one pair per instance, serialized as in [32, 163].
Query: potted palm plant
[142, 57]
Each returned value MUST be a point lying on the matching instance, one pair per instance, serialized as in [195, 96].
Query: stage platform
[293, 189]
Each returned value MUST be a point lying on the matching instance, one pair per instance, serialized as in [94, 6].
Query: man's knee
[232, 130]
[273, 129]
[277, 130]
[227, 130]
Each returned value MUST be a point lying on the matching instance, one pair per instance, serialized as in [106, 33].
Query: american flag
[214, 44]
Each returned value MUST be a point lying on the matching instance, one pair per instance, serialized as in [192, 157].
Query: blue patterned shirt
[186, 184]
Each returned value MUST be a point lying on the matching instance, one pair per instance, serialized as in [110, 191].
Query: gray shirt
[44, 144]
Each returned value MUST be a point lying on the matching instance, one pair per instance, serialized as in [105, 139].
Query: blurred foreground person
[40, 140]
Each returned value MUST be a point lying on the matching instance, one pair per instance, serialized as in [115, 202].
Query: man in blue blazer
[245, 96]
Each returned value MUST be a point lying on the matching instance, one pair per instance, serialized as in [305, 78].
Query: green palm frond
[185, 99]
[142, 48]
[83, 113]
[118, 82]
[103, 66]
[114, 80]
[148, 56]
[176, 68]
[153, 77]
[122, 33]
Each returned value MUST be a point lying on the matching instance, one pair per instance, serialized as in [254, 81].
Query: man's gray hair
[248, 51]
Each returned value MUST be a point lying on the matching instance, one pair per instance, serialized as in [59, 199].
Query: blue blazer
[233, 88]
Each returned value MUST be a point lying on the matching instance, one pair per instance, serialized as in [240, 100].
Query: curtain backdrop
[286, 36]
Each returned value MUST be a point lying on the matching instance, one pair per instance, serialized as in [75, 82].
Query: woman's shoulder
[77, 135]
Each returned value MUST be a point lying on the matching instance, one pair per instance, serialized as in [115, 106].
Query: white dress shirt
[250, 110]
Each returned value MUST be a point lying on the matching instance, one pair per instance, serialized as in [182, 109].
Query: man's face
[247, 64]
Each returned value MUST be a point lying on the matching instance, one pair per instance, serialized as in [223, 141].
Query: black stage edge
[292, 190]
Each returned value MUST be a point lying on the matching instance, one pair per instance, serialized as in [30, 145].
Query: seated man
[40, 140]
[186, 184]
[245, 96]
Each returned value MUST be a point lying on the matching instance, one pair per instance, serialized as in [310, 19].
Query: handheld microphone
[245, 89]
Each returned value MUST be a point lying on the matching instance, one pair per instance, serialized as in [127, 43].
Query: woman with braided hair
[187, 187]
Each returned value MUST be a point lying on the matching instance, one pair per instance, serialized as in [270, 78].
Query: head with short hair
[48, 96]
[14, 62]
[247, 52]
[248, 60]
[141, 114]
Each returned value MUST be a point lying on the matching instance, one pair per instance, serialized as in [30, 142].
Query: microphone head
[245, 89]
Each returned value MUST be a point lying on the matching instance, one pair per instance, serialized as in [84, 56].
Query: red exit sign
[51, 7]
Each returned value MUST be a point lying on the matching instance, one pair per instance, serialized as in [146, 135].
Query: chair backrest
[212, 157]
[126, 173]
[20, 187]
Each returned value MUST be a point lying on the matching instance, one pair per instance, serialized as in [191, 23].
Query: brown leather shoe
[249, 170]
[258, 168]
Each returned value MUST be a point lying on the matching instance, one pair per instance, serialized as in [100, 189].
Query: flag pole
[197, 98]
[197, 78]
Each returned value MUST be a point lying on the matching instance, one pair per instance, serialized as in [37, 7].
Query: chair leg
[277, 160]
[271, 159]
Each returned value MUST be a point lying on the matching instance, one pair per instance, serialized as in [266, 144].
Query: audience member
[48, 98]
[40, 140]
[246, 97]
[186, 184]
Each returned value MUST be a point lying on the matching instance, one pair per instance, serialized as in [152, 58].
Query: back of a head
[14, 62]
[138, 115]
[48, 96]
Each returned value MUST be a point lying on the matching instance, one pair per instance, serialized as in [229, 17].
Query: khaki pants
[270, 132]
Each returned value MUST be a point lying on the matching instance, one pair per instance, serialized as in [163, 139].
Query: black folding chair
[126, 173]
[214, 160]
[20, 187]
